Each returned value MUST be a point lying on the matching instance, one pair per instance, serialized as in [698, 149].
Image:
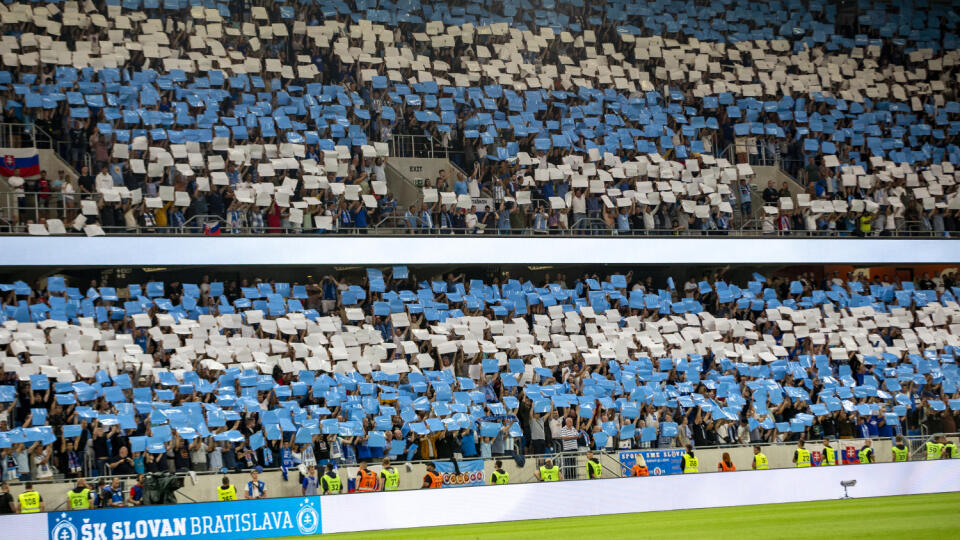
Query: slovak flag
[27, 160]
[211, 228]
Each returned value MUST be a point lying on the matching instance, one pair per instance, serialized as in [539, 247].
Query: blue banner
[233, 520]
[471, 473]
[659, 462]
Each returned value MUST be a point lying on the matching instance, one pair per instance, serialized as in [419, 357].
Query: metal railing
[18, 211]
[572, 464]
[413, 146]
[761, 156]
[21, 135]
[391, 229]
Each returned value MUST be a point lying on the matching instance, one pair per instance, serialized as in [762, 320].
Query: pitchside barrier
[202, 487]
[310, 249]
[305, 516]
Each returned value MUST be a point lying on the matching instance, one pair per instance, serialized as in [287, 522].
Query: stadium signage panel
[471, 473]
[659, 462]
[234, 520]
[514, 502]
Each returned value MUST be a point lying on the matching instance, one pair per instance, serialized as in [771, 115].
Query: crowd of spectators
[611, 116]
[133, 378]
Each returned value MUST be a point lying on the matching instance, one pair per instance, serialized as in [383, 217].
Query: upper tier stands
[279, 118]
[392, 364]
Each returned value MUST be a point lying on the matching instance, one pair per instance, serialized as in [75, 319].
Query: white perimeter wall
[486, 249]
[420, 508]
[205, 489]
[369, 511]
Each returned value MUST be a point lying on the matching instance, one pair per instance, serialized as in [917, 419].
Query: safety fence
[198, 486]
[22, 135]
[53, 213]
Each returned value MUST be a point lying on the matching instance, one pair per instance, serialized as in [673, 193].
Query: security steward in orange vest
[726, 464]
[432, 480]
[366, 480]
[639, 467]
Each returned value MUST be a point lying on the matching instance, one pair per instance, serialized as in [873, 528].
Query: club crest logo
[64, 529]
[308, 519]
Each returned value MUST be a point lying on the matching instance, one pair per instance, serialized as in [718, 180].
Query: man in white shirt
[379, 170]
[578, 205]
[470, 220]
[103, 181]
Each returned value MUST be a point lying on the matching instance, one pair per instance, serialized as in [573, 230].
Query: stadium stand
[552, 116]
[226, 375]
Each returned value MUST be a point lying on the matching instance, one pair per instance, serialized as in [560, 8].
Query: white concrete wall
[401, 179]
[205, 489]
[371, 250]
[487, 504]
[51, 162]
[625, 495]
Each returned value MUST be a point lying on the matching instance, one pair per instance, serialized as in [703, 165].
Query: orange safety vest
[723, 467]
[639, 471]
[368, 481]
[436, 480]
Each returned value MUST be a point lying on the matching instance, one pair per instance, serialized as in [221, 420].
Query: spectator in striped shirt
[568, 438]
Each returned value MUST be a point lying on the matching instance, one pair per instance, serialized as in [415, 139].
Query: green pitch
[911, 516]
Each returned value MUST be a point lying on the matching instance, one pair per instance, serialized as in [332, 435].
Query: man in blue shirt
[623, 220]
[548, 190]
[255, 487]
[308, 486]
[114, 494]
[426, 217]
[503, 217]
[593, 210]
[460, 186]
[411, 218]
[745, 199]
[863, 431]
[360, 216]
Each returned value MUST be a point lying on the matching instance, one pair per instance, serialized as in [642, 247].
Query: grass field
[910, 516]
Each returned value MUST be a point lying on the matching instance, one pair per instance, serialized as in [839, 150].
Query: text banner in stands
[294, 250]
[659, 462]
[471, 473]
